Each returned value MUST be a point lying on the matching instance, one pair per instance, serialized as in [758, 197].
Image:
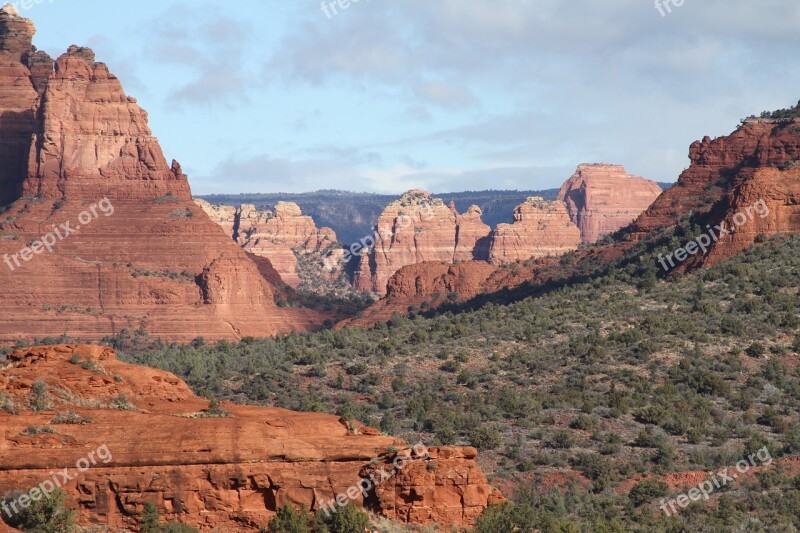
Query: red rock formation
[602, 198]
[432, 282]
[754, 170]
[217, 474]
[752, 175]
[540, 229]
[139, 252]
[279, 236]
[415, 229]
[472, 235]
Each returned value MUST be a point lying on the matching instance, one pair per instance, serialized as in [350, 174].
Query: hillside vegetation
[591, 387]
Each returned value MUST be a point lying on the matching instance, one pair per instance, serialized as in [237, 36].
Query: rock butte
[217, 474]
[759, 161]
[71, 137]
[279, 236]
[414, 229]
[597, 200]
[603, 198]
[540, 229]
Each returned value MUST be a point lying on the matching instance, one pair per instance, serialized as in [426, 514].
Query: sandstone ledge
[222, 474]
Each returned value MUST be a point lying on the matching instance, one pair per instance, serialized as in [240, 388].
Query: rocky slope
[223, 474]
[603, 198]
[754, 171]
[123, 246]
[280, 235]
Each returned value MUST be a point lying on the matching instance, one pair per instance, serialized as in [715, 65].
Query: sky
[261, 96]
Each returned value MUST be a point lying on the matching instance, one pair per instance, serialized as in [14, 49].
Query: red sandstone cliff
[218, 474]
[540, 229]
[415, 229]
[754, 169]
[753, 174]
[150, 259]
[603, 198]
[281, 236]
[597, 200]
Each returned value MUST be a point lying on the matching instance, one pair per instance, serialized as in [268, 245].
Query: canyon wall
[603, 198]
[225, 471]
[597, 200]
[101, 233]
[414, 229]
[540, 229]
[280, 235]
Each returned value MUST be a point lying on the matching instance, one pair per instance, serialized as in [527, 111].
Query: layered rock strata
[227, 470]
[540, 229]
[415, 229]
[280, 235]
[100, 233]
[603, 198]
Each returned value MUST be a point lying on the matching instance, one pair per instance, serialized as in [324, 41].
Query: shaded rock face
[433, 282]
[472, 235]
[279, 236]
[755, 168]
[540, 229]
[603, 198]
[151, 259]
[414, 229]
[165, 450]
[751, 176]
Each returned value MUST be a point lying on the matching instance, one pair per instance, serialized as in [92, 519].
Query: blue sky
[388, 95]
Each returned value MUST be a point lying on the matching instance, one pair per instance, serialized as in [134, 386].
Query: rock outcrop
[749, 181]
[281, 236]
[473, 237]
[597, 200]
[540, 229]
[100, 233]
[426, 284]
[226, 470]
[415, 229]
[603, 198]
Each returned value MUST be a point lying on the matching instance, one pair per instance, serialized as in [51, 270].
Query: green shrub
[48, 515]
[40, 398]
[647, 491]
[290, 520]
[347, 519]
[485, 438]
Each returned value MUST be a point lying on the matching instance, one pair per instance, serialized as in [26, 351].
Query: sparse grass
[70, 417]
[33, 431]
